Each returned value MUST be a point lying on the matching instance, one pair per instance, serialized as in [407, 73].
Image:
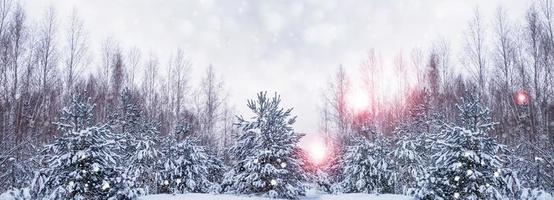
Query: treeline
[127, 157]
[431, 158]
[508, 63]
[42, 66]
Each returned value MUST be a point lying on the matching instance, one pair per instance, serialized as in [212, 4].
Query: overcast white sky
[288, 46]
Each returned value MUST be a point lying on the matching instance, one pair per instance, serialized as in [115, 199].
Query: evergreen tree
[367, 167]
[266, 155]
[323, 182]
[216, 170]
[410, 154]
[82, 162]
[78, 115]
[333, 167]
[187, 167]
[408, 158]
[80, 165]
[140, 143]
[130, 115]
[468, 164]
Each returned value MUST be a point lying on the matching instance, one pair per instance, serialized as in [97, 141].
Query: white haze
[291, 47]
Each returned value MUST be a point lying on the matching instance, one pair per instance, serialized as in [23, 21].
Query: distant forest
[510, 65]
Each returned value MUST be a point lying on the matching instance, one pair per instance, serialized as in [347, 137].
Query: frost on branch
[468, 163]
[82, 163]
[266, 155]
[367, 167]
[187, 167]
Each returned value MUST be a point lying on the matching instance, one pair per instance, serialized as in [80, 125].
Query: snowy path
[311, 195]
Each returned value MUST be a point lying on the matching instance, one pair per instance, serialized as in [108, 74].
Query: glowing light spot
[316, 148]
[357, 99]
[317, 152]
[521, 98]
[273, 182]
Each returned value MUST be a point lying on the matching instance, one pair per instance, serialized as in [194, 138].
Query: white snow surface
[311, 195]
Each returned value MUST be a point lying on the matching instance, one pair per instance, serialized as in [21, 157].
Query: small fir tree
[266, 155]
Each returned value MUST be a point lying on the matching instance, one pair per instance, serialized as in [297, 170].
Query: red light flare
[316, 148]
[358, 99]
[521, 98]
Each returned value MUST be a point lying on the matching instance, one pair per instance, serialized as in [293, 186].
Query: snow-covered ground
[311, 195]
[196, 196]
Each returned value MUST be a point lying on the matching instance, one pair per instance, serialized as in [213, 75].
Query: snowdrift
[354, 196]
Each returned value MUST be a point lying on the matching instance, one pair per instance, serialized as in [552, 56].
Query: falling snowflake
[283, 164]
[273, 182]
[456, 195]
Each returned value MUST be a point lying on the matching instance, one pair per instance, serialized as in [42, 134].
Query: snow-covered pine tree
[307, 165]
[367, 168]
[78, 115]
[410, 151]
[130, 114]
[468, 164]
[216, 170]
[79, 165]
[408, 157]
[265, 155]
[187, 167]
[82, 162]
[323, 182]
[139, 147]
